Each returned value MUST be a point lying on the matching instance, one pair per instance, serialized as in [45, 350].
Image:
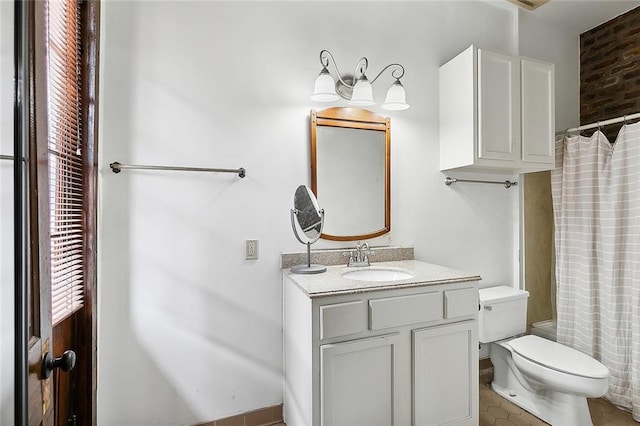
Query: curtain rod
[507, 184]
[6, 157]
[620, 119]
[117, 168]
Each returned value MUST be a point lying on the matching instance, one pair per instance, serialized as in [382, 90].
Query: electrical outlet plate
[251, 249]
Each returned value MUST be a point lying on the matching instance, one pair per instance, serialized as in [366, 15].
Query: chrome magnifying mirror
[307, 217]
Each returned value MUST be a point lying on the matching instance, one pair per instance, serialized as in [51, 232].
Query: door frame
[88, 324]
[20, 142]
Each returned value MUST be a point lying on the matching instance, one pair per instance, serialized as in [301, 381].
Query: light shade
[362, 93]
[396, 97]
[325, 88]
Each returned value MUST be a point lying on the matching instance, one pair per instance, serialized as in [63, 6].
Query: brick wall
[610, 71]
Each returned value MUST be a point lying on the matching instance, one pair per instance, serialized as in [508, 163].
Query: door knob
[66, 362]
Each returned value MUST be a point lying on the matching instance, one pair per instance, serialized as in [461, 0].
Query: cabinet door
[445, 375]
[538, 112]
[357, 380]
[498, 107]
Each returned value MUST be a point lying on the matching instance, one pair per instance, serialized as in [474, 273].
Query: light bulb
[362, 93]
[325, 88]
[396, 97]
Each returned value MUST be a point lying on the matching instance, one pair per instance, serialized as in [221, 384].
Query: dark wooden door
[39, 292]
[58, 393]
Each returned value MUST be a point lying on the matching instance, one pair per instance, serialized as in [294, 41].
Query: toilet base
[553, 407]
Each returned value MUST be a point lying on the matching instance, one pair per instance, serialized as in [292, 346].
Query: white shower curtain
[596, 202]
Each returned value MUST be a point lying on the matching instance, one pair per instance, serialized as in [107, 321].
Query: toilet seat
[553, 368]
[558, 357]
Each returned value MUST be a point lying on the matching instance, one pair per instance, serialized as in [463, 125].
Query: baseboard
[261, 417]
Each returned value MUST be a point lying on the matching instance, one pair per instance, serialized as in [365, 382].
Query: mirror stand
[308, 268]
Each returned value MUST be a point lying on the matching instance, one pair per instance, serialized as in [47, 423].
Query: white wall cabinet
[497, 113]
[387, 357]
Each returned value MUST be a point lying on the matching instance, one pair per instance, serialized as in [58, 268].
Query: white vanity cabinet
[445, 382]
[357, 381]
[389, 356]
[497, 113]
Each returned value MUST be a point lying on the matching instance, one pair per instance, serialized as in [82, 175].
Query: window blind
[66, 198]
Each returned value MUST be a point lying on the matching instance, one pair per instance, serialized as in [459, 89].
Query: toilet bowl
[550, 380]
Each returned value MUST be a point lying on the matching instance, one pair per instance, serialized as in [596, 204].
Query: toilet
[549, 380]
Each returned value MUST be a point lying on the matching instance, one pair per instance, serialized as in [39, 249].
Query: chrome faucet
[359, 256]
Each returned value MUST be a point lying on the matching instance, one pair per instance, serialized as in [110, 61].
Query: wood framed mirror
[351, 172]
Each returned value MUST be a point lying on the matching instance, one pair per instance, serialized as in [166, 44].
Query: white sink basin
[377, 275]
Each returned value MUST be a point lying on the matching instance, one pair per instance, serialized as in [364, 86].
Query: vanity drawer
[404, 310]
[460, 303]
[342, 319]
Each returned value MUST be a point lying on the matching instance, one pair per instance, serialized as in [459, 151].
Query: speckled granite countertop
[332, 283]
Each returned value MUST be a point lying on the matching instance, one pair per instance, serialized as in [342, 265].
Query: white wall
[6, 213]
[188, 330]
[547, 42]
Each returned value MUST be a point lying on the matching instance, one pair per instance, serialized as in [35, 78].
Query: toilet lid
[558, 357]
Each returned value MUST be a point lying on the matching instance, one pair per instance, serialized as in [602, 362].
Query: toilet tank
[503, 313]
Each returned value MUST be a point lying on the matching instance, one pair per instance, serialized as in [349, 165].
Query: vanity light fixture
[357, 88]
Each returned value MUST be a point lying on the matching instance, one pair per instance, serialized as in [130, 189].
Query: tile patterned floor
[495, 410]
